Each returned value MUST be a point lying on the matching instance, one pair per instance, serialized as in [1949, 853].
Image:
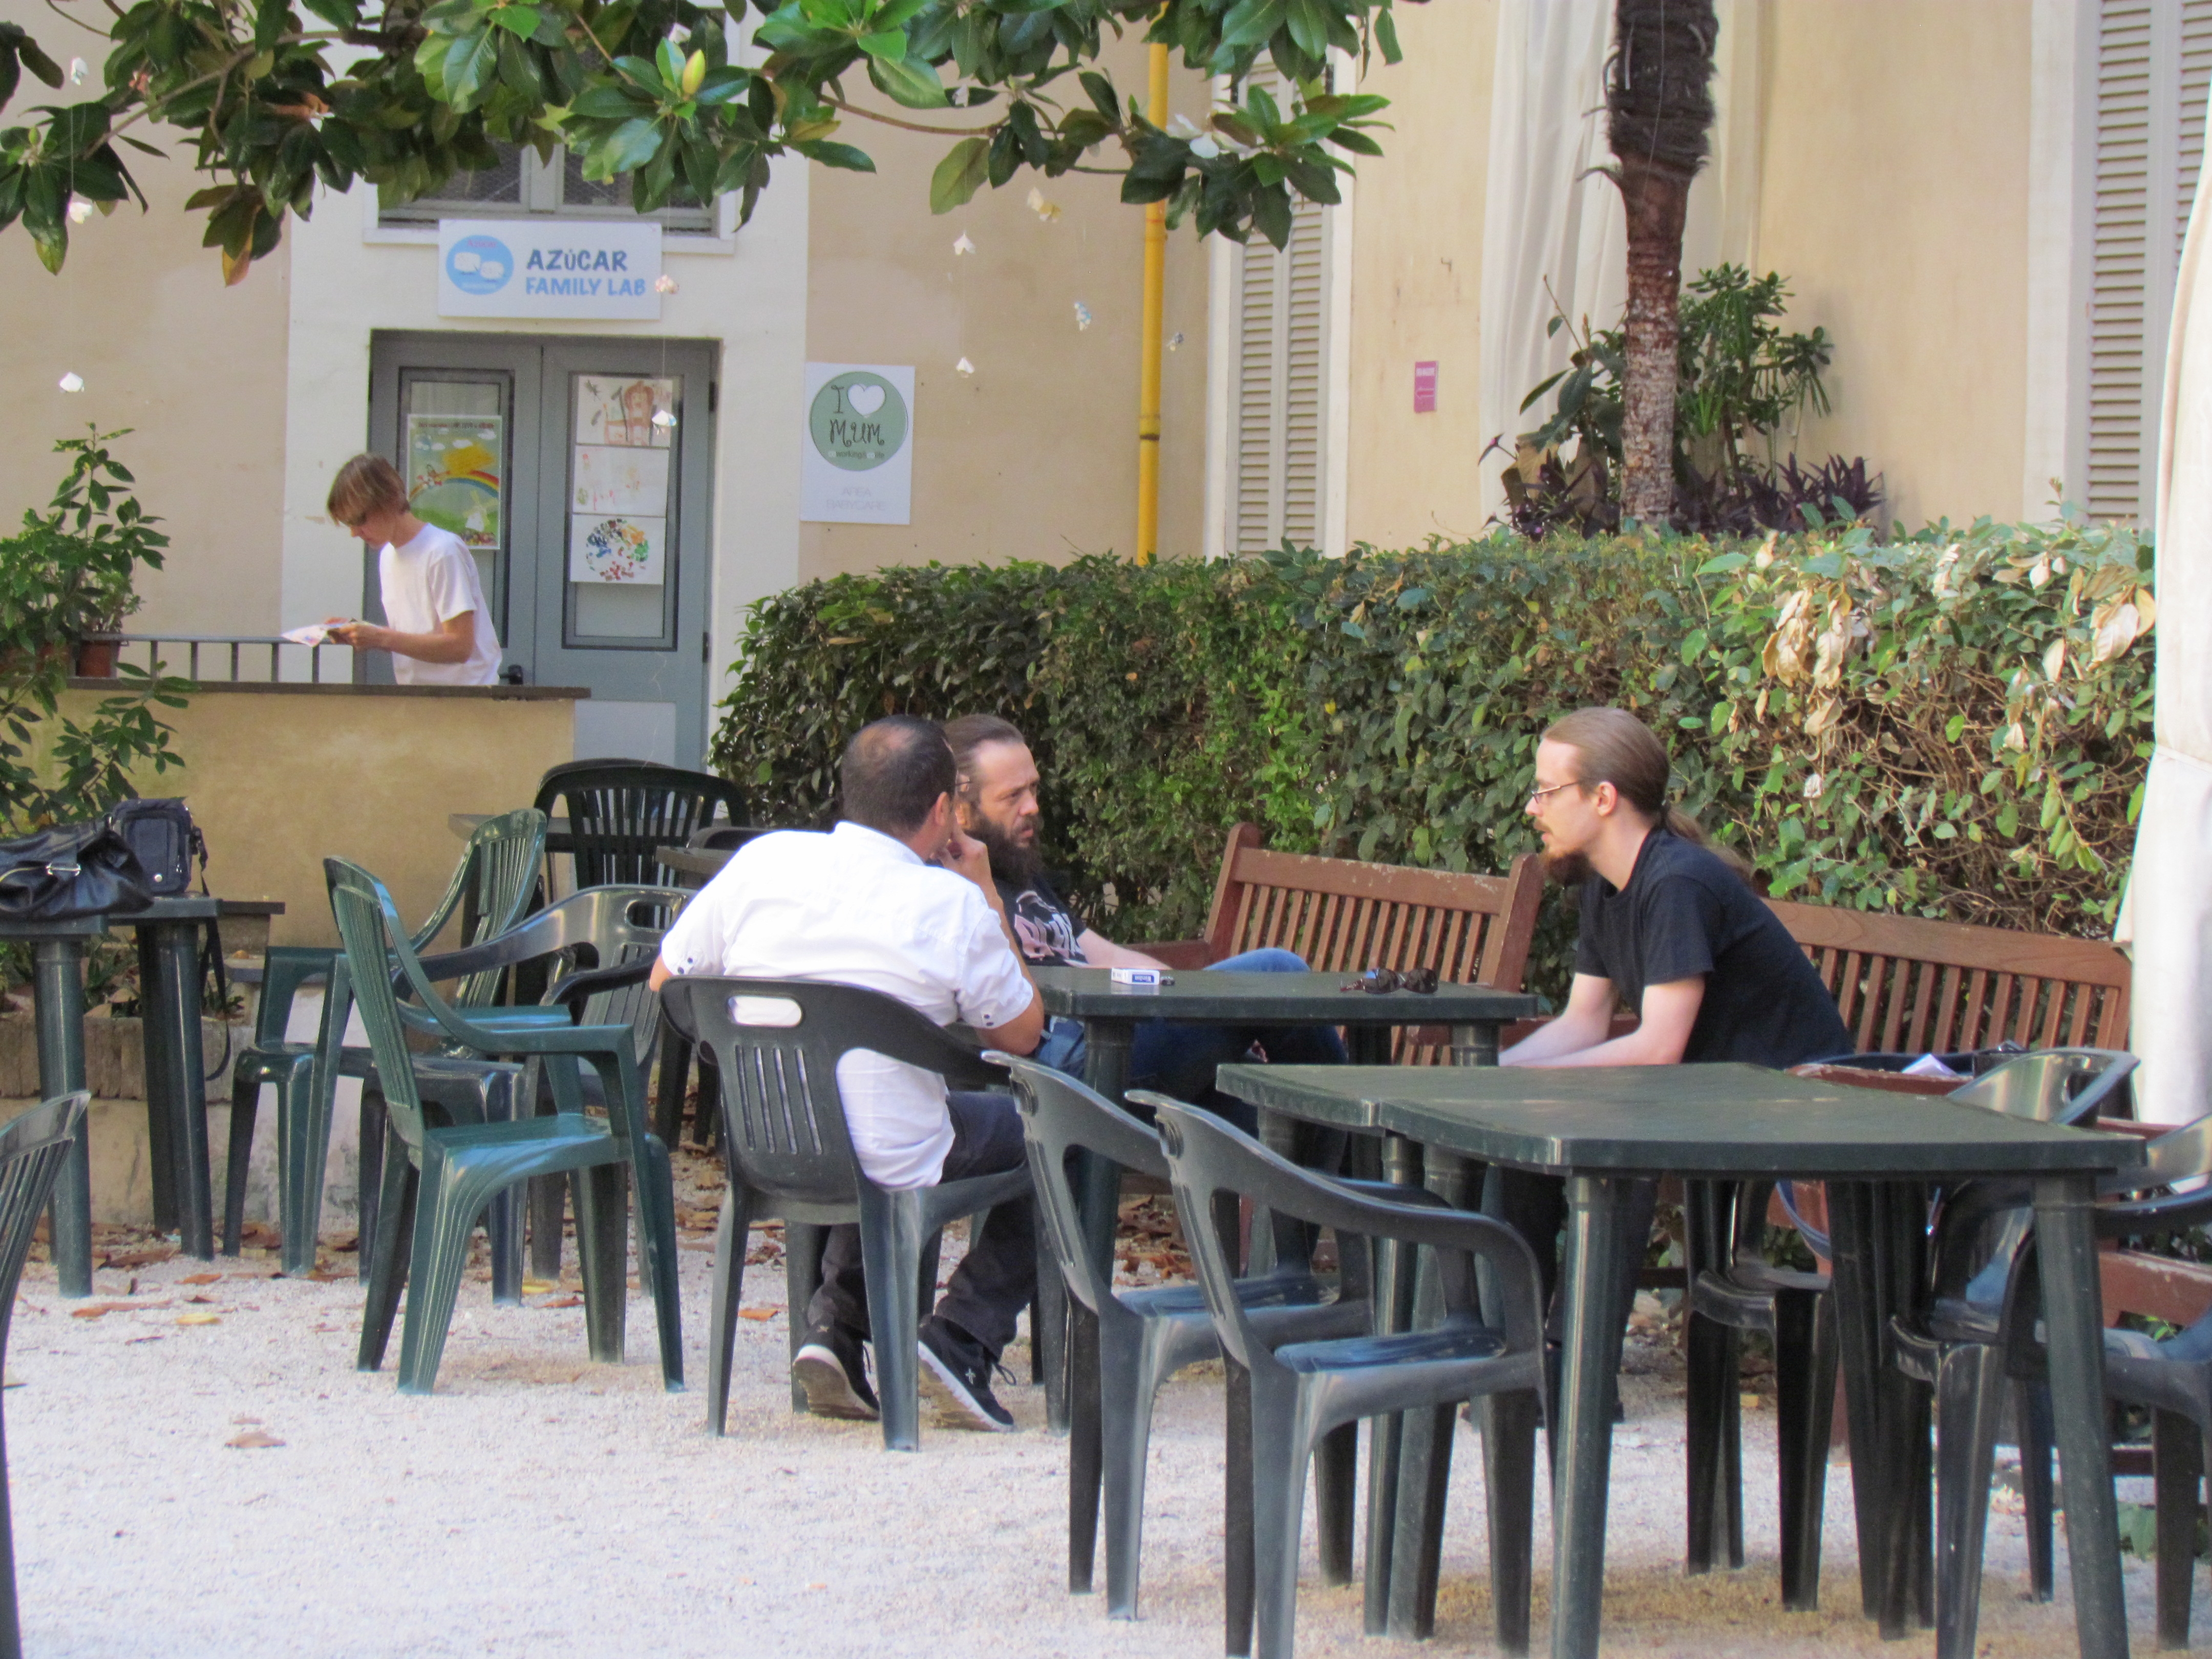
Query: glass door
[579, 472]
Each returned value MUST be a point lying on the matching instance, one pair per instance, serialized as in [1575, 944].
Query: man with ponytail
[1670, 927]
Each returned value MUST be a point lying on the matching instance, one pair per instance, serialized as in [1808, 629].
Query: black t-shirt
[1046, 929]
[1684, 914]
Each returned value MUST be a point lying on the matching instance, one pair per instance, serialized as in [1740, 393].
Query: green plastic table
[1602, 1128]
[1110, 1014]
[168, 932]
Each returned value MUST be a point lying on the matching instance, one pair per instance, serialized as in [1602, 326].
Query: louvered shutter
[2153, 65]
[1280, 381]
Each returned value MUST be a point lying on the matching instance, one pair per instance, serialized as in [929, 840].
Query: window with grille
[2154, 67]
[522, 184]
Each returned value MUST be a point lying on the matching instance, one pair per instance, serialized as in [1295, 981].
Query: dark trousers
[996, 1279]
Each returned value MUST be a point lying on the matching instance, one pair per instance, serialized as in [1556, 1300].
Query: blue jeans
[1179, 1060]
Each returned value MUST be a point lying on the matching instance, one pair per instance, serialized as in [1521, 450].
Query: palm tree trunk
[1658, 200]
[1660, 112]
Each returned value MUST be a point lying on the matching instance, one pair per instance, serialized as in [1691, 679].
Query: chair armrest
[572, 991]
[1186, 954]
[287, 969]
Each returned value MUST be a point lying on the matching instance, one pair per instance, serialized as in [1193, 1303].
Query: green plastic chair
[451, 1173]
[490, 890]
[31, 1149]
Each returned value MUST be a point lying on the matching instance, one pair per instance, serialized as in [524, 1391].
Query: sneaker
[956, 1375]
[832, 1367]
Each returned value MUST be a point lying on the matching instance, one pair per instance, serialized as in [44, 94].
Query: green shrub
[1956, 724]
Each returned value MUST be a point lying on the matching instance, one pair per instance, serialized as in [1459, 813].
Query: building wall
[1896, 200]
[194, 369]
[1033, 456]
[1417, 281]
[279, 779]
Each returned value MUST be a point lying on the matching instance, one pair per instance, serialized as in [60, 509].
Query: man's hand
[964, 854]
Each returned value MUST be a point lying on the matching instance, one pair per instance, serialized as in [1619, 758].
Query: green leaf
[908, 82]
[627, 149]
[959, 175]
[831, 155]
[1250, 22]
[890, 43]
[468, 64]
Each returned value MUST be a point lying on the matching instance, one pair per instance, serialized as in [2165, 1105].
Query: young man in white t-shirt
[438, 628]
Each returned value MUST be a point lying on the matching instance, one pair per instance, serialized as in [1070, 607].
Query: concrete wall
[196, 370]
[279, 778]
[1896, 200]
[1035, 455]
[1417, 279]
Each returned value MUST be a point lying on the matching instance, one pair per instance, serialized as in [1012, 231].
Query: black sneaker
[956, 1375]
[832, 1367]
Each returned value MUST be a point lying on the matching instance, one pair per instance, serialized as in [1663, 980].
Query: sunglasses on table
[1422, 982]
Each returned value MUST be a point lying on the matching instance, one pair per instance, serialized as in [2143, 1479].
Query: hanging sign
[858, 455]
[602, 268]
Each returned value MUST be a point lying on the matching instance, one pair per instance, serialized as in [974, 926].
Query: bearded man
[997, 806]
[1669, 926]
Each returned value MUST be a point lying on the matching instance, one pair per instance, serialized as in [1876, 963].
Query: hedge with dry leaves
[1955, 724]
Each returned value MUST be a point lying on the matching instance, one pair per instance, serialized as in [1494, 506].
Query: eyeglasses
[1536, 795]
[1422, 982]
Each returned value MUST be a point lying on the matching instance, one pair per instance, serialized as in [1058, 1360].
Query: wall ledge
[346, 688]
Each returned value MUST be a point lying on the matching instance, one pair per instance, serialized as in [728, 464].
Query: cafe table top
[1719, 1120]
[1209, 993]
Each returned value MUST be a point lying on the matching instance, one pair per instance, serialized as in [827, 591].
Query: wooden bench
[1906, 984]
[1343, 916]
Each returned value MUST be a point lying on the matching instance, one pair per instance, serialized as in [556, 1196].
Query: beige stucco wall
[1417, 279]
[1896, 194]
[1035, 455]
[196, 369]
[279, 779]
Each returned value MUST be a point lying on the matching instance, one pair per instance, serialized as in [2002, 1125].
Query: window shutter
[2154, 67]
[1280, 381]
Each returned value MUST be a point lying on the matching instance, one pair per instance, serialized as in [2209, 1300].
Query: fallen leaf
[200, 1278]
[199, 1298]
[322, 1276]
[564, 1302]
[759, 1313]
[199, 1319]
[253, 1440]
[145, 1258]
[537, 1286]
[93, 1310]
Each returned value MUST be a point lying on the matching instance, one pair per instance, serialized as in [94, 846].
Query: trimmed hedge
[1955, 724]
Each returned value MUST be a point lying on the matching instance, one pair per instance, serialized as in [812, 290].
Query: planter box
[114, 1057]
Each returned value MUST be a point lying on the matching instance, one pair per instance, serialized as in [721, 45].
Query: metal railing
[218, 644]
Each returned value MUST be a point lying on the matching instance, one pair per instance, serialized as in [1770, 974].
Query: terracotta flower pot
[95, 659]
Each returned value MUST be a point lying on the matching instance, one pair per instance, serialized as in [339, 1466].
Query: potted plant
[68, 578]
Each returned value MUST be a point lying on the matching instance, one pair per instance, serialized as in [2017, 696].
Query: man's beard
[1567, 869]
[1016, 862]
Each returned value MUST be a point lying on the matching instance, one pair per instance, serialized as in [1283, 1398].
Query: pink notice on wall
[1425, 388]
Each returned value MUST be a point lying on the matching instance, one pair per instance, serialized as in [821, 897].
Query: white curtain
[2169, 912]
[1548, 219]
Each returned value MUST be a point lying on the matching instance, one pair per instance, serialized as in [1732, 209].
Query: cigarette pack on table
[1145, 979]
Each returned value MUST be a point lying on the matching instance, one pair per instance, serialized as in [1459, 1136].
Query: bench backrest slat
[1905, 983]
[1344, 914]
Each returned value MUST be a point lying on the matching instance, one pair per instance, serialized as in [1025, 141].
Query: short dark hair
[972, 732]
[893, 772]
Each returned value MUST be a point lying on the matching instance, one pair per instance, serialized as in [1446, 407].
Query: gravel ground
[540, 1504]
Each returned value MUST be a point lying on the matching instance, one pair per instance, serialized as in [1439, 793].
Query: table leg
[1403, 1166]
[161, 1142]
[57, 989]
[1475, 1045]
[1425, 1438]
[2073, 1314]
[1597, 1252]
[173, 1057]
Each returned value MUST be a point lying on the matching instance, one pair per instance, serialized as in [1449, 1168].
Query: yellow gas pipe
[1148, 376]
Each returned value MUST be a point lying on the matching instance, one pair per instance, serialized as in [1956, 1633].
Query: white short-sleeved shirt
[856, 907]
[426, 583]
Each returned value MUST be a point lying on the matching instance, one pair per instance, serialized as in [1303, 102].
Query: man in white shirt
[896, 899]
[438, 628]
